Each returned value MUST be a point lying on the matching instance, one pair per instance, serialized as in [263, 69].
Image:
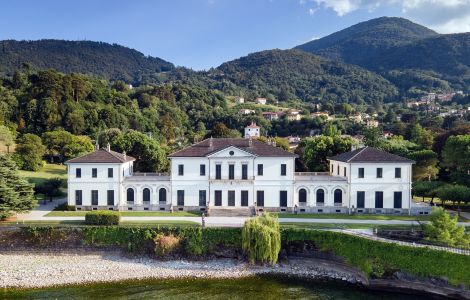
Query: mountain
[409, 55]
[358, 43]
[109, 61]
[309, 77]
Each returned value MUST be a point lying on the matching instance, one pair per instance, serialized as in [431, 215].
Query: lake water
[195, 289]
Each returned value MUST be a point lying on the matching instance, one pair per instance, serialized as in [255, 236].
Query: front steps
[231, 212]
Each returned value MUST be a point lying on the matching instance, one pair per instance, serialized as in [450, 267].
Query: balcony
[249, 179]
[138, 176]
[317, 176]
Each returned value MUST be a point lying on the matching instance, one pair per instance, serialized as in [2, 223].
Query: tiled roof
[368, 154]
[102, 156]
[257, 148]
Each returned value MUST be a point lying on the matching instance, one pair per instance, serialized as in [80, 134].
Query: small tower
[252, 131]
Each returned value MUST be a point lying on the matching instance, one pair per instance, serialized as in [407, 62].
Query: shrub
[261, 239]
[64, 207]
[443, 228]
[166, 244]
[102, 218]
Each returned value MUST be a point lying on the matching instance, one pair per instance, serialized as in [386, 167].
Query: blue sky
[204, 33]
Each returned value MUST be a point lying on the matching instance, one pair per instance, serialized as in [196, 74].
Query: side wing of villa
[243, 174]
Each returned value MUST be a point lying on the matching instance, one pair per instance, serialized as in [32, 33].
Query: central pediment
[231, 151]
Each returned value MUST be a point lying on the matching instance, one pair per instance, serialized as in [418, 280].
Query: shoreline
[48, 269]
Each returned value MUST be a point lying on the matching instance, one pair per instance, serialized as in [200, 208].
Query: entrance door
[244, 198]
[361, 199]
[218, 198]
[283, 198]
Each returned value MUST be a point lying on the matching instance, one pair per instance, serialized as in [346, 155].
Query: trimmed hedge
[102, 217]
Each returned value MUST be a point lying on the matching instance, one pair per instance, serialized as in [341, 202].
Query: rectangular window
[218, 198]
[110, 197]
[331, 169]
[231, 198]
[344, 171]
[78, 172]
[397, 200]
[78, 197]
[379, 172]
[259, 198]
[337, 170]
[283, 198]
[218, 171]
[94, 197]
[202, 198]
[94, 172]
[361, 173]
[180, 170]
[397, 172]
[379, 199]
[361, 199]
[231, 171]
[202, 170]
[110, 173]
[260, 169]
[180, 197]
[283, 169]
[244, 171]
[244, 198]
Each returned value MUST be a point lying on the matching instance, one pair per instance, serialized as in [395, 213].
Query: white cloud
[445, 16]
[312, 11]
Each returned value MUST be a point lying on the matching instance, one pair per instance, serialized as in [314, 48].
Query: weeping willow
[261, 239]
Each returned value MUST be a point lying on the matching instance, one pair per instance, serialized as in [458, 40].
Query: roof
[257, 148]
[369, 154]
[252, 125]
[101, 156]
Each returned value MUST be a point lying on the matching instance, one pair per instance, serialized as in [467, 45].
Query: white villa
[243, 175]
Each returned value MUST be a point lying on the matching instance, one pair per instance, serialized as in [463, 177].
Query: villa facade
[243, 174]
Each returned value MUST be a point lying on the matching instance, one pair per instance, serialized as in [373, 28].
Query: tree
[261, 239]
[314, 151]
[444, 229]
[331, 130]
[65, 145]
[456, 157]
[373, 137]
[29, 152]
[150, 157]
[50, 188]
[426, 165]
[454, 193]
[220, 130]
[16, 194]
[427, 189]
[421, 136]
[7, 137]
[278, 142]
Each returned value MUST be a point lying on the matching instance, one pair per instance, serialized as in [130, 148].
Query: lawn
[354, 217]
[78, 223]
[47, 172]
[128, 214]
[342, 226]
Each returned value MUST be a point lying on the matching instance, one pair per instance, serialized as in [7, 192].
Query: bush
[443, 228]
[261, 239]
[64, 207]
[166, 244]
[102, 218]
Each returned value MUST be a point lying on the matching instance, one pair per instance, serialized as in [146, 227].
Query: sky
[201, 34]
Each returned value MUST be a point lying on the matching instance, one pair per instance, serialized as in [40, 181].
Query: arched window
[320, 196]
[338, 196]
[302, 196]
[146, 195]
[130, 195]
[162, 195]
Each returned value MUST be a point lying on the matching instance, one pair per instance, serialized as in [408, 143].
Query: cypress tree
[16, 194]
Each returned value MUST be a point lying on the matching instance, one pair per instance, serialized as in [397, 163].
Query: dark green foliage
[65, 207]
[51, 187]
[374, 257]
[426, 188]
[102, 217]
[308, 77]
[16, 194]
[98, 58]
[29, 152]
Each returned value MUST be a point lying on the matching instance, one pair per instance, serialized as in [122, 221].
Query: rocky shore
[36, 269]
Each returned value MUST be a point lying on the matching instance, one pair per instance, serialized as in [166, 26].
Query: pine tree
[16, 194]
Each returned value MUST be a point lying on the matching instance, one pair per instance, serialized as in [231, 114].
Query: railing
[235, 179]
[311, 173]
[150, 174]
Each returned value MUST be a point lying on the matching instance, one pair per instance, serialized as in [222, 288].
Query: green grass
[353, 217]
[79, 223]
[128, 214]
[342, 226]
[47, 172]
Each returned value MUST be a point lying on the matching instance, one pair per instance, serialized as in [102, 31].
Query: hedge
[372, 257]
[102, 217]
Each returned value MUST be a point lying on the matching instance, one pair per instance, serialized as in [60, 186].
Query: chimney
[353, 147]
[108, 147]
[250, 142]
[211, 143]
[124, 154]
[97, 146]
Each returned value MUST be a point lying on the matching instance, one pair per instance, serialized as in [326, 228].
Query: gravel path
[32, 270]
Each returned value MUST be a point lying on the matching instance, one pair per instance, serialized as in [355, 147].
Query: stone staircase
[230, 212]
